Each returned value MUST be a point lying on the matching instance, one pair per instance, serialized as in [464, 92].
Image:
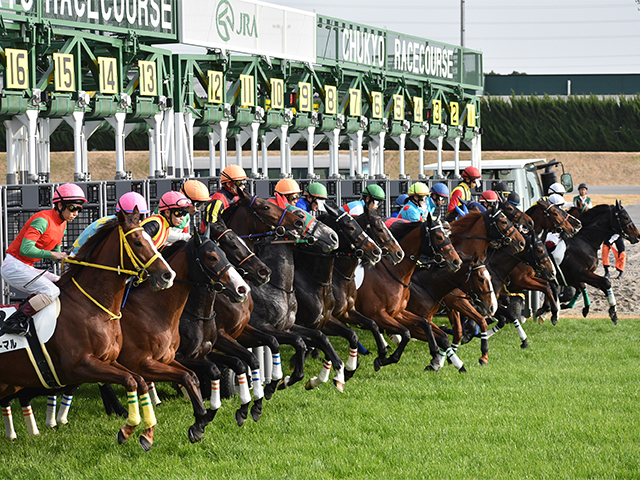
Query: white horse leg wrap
[521, 332]
[441, 357]
[245, 394]
[490, 332]
[454, 358]
[455, 347]
[268, 364]
[184, 391]
[276, 373]
[8, 423]
[610, 298]
[259, 353]
[51, 411]
[258, 392]
[339, 375]
[65, 405]
[323, 376]
[352, 363]
[215, 395]
[384, 342]
[153, 394]
[30, 420]
[395, 338]
[314, 382]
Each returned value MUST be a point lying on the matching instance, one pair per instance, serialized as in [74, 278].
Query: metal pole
[462, 23]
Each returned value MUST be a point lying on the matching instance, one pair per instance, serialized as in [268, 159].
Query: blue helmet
[402, 199]
[440, 189]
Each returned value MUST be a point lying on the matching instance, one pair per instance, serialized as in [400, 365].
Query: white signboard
[247, 26]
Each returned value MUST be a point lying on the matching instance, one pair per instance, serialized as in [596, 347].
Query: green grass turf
[565, 408]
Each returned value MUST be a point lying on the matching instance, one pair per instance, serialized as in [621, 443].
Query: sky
[527, 36]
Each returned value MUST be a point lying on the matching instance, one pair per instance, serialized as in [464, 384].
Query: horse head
[353, 237]
[558, 219]
[500, 228]
[517, 217]
[314, 231]
[214, 269]
[481, 291]
[537, 257]
[141, 252]
[374, 224]
[436, 244]
[240, 255]
[626, 226]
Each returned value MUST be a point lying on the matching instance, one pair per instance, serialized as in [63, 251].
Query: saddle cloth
[45, 322]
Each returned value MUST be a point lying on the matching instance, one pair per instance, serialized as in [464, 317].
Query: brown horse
[548, 217]
[88, 337]
[384, 293]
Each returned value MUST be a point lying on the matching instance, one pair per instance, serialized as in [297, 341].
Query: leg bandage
[258, 392]
[133, 419]
[30, 420]
[243, 385]
[148, 414]
[215, 401]
[352, 363]
[276, 372]
[50, 421]
[65, 405]
[8, 423]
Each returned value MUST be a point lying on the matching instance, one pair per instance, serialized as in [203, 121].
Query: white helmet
[556, 188]
[557, 199]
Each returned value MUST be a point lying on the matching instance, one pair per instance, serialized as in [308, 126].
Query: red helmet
[69, 192]
[172, 200]
[471, 173]
[489, 196]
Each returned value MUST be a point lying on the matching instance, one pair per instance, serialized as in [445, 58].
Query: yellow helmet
[195, 190]
[232, 173]
[287, 186]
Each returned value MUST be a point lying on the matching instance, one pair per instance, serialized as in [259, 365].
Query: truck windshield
[534, 190]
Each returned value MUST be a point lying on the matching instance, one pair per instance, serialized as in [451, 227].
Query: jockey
[372, 195]
[434, 204]
[501, 189]
[161, 227]
[233, 178]
[314, 196]
[582, 201]
[556, 188]
[198, 193]
[489, 199]
[462, 193]
[414, 209]
[400, 201]
[127, 202]
[554, 242]
[40, 238]
[514, 199]
[287, 193]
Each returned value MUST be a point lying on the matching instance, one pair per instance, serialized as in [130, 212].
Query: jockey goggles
[179, 212]
[74, 208]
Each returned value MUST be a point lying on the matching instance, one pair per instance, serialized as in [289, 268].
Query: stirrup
[16, 324]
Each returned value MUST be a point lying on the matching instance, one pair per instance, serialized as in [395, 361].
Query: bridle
[558, 227]
[213, 274]
[356, 242]
[621, 229]
[494, 231]
[252, 254]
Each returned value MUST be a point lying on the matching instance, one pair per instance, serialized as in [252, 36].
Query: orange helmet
[287, 186]
[195, 190]
[232, 173]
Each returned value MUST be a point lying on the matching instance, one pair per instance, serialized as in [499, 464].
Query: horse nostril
[263, 272]
[334, 237]
[242, 290]
[167, 276]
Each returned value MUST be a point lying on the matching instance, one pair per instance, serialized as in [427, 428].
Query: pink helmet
[130, 200]
[173, 200]
[69, 192]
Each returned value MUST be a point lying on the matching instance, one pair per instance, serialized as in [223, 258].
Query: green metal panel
[13, 103]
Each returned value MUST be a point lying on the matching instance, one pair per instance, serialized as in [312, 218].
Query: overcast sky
[531, 36]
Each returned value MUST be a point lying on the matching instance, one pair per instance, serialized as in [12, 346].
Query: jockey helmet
[171, 200]
[514, 198]
[69, 193]
[489, 196]
[500, 187]
[402, 199]
[418, 188]
[583, 185]
[287, 186]
[556, 199]
[195, 190]
[130, 200]
[374, 191]
[556, 188]
[440, 189]
[471, 173]
[232, 173]
[316, 189]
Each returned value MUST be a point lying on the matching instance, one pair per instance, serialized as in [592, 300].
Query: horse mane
[591, 214]
[463, 224]
[86, 251]
[402, 229]
[328, 220]
[169, 250]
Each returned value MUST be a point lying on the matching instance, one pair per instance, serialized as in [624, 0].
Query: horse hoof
[482, 363]
[585, 312]
[241, 417]
[145, 443]
[270, 389]
[121, 437]
[256, 410]
[434, 366]
[462, 370]
[309, 385]
[377, 364]
[554, 321]
[339, 385]
[524, 344]
[194, 433]
[348, 374]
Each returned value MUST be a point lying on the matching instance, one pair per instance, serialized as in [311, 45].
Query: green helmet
[418, 188]
[317, 190]
[374, 191]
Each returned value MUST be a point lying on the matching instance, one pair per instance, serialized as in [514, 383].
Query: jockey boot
[620, 274]
[18, 321]
[606, 272]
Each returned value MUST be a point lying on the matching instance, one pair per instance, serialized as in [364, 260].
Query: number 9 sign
[305, 96]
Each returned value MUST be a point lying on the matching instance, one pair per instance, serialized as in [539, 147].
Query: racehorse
[343, 279]
[384, 293]
[548, 217]
[313, 284]
[581, 257]
[88, 337]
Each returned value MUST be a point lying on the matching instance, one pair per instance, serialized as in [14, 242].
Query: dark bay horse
[314, 287]
[384, 293]
[581, 258]
[344, 284]
[88, 337]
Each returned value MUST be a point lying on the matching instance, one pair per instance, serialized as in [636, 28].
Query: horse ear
[135, 215]
[122, 217]
[332, 211]
[618, 204]
[197, 240]
[429, 220]
[475, 258]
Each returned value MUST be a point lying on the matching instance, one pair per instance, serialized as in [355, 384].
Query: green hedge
[557, 124]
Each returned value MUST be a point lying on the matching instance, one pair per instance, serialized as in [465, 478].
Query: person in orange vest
[40, 238]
